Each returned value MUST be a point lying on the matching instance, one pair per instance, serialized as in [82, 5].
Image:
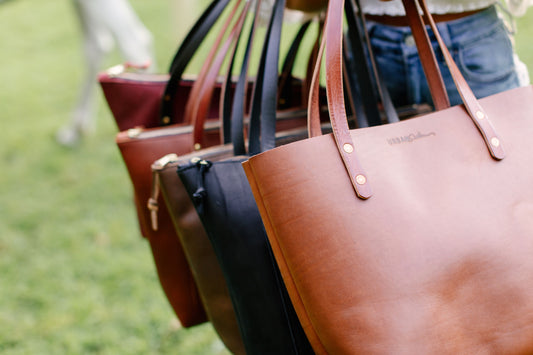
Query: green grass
[75, 276]
[524, 46]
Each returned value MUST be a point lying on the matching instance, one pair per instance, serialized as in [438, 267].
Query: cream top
[395, 7]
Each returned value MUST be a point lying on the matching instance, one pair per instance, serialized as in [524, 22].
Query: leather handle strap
[184, 54]
[264, 102]
[311, 61]
[215, 51]
[344, 142]
[335, 94]
[366, 86]
[360, 72]
[427, 57]
[313, 109]
[472, 105]
[383, 93]
[200, 110]
[233, 111]
[235, 124]
[286, 77]
[332, 38]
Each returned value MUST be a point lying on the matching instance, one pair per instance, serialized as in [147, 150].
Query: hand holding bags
[409, 238]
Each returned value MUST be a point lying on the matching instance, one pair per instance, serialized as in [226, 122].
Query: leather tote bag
[139, 148]
[198, 250]
[138, 99]
[408, 238]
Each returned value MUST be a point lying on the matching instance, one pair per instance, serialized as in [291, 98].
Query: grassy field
[75, 276]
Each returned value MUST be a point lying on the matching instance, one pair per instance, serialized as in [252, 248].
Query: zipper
[153, 201]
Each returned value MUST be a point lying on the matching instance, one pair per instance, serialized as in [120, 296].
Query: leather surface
[138, 154]
[437, 258]
[437, 261]
[201, 257]
[172, 267]
[266, 318]
[307, 5]
[136, 102]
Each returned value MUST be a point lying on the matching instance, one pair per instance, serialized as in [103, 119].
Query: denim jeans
[479, 44]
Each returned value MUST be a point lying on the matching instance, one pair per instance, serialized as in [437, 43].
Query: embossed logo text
[409, 138]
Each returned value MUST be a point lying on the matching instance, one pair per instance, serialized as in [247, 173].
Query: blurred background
[75, 275]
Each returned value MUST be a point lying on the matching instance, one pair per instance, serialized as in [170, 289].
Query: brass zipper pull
[153, 204]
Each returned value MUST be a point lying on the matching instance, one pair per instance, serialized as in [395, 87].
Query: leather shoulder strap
[204, 96]
[427, 57]
[184, 54]
[264, 102]
[472, 105]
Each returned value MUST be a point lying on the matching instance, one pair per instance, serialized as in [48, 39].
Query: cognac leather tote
[414, 237]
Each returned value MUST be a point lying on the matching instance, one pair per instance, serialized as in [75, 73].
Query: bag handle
[366, 88]
[264, 101]
[286, 77]
[184, 54]
[428, 59]
[202, 100]
[233, 125]
[472, 105]
[214, 53]
[234, 110]
[335, 94]
[359, 60]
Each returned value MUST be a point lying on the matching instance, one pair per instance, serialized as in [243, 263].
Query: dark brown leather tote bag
[408, 238]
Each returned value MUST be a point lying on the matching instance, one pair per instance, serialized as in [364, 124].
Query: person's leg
[104, 23]
[97, 42]
[391, 55]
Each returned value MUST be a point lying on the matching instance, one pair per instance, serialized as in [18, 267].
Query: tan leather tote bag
[408, 238]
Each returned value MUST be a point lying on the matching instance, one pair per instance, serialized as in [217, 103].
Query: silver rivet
[495, 141]
[360, 179]
[480, 115]
[348, 148]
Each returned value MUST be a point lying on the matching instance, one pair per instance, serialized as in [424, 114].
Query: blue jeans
[479, 43]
